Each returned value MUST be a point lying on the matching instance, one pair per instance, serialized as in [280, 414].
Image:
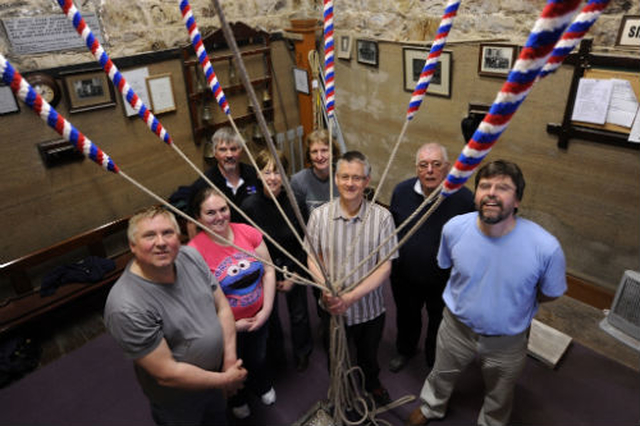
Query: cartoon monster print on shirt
[240, 276]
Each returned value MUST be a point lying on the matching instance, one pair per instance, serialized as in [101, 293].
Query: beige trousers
[502, 359]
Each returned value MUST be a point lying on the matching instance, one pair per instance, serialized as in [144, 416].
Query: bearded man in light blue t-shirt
[502, 268]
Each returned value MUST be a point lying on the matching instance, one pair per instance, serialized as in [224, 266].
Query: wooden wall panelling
[40, 206]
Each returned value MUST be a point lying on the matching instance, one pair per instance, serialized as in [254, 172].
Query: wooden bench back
[18, 269]
[28, 305]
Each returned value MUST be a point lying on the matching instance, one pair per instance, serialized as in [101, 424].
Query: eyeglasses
[500, 187]
[424, 165]
[353, 178]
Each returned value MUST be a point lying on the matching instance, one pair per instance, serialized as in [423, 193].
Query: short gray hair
[357, 156]
[443, 150]
[225, 134]
[149, 213]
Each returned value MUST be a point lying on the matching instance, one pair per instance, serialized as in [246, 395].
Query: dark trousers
[207, 408]
[365, 339]
[410, 298]
[300, 328]
[252, 349]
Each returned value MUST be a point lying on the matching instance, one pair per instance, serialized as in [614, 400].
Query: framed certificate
[160, 88]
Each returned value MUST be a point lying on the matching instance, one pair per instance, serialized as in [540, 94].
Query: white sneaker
[269, 397]
[241, 412]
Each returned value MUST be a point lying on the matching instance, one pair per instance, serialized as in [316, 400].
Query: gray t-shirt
[310, 191]
[140, 313]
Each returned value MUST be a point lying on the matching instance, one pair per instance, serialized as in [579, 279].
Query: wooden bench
[24, 274]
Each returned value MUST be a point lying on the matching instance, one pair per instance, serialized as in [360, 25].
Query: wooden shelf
[228, 90]
[240, 121]
[229, 56]
[252, 43]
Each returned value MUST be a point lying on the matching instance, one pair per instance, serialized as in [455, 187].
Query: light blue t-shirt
[494, 281]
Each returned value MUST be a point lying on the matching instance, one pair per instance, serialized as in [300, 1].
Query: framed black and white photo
[344, 46]
[8, 101]
[88, 90]
[629, 32]
[496, 60]
[367, 52]
[413, 63]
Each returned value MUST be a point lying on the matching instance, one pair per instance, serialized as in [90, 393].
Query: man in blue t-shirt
[502, 268]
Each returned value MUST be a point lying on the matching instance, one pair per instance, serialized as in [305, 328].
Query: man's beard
[229, 166]
[499, 217]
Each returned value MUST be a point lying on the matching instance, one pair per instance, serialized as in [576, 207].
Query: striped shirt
[378, 227]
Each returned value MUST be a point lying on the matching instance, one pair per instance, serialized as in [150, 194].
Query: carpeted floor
[95, 385]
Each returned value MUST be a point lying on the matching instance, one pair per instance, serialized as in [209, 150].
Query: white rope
[240, 211]
[244, 76]
[375, 194]
[298, 279]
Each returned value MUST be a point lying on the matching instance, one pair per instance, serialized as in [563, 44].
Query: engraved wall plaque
[47, 33]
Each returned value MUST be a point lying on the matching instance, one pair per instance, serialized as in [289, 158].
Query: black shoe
[302, 363]
[398, 362]
[381, 396]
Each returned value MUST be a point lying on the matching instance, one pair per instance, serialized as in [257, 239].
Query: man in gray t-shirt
[169, 315]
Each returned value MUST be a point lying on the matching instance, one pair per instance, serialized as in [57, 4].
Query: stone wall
[132, 27]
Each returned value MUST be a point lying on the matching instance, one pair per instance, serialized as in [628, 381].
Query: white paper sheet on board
[592, 100]
[634, 136]
[624, 105]
[137, 80]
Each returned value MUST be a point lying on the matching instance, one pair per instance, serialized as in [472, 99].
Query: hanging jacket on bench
[88, 270]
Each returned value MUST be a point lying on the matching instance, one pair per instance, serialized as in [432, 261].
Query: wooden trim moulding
[589, 293]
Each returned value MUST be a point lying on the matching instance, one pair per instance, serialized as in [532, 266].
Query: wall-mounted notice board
[590, 66]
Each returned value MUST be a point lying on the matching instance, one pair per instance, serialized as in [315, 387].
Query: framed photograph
[496, 60]
[367, 52]
[301, 80]
[88, 90]
[413, 62]
[160, 88]
[8, 101]
[344, 46]
[629, 32]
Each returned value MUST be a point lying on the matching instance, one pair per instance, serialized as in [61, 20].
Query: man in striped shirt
[344, 233]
